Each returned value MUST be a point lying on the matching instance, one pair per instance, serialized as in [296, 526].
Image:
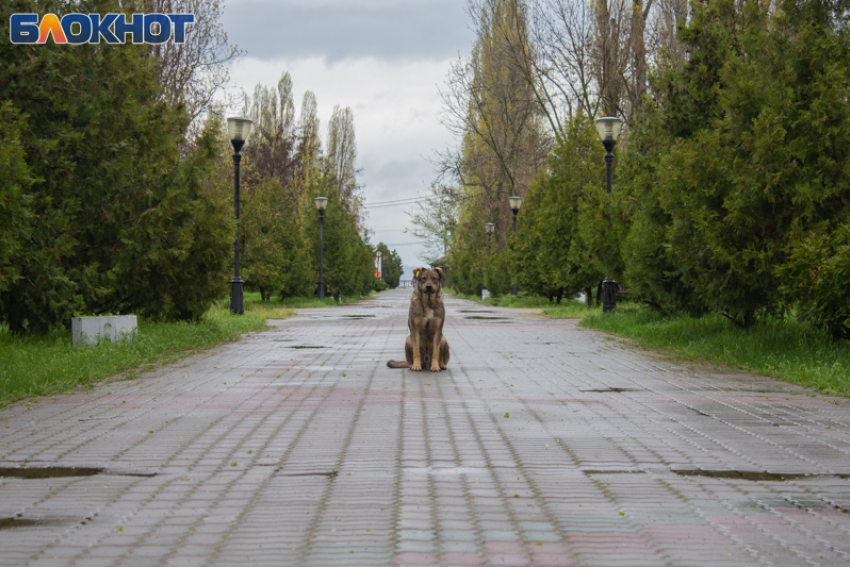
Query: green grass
[781, 348]
[507, 300]
[461, 295]
[34, 366]
[521, 300]
[571, 309]
[277, 309]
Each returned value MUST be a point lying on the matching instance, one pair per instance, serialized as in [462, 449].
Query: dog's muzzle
[429, 289]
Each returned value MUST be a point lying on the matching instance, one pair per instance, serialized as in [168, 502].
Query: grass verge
[466, 296]
[571, 309]
[781, 348]
[277, 309]
[34, 366]
[507, 300]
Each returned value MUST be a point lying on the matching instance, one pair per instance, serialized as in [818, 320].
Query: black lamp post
[238, 128]
[516, 204]
[609, 130]
[489, 227]
[321, 205]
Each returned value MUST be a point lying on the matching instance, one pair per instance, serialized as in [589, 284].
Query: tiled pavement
[543, 444]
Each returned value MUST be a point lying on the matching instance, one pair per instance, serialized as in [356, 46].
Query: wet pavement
[542, 444]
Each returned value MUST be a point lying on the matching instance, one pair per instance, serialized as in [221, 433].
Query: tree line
[730, 190]
[116, 179]
[285, 169]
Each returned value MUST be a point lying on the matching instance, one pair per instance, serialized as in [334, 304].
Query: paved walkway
[543, 444]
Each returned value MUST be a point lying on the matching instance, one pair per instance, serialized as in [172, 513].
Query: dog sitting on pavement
[426, 347]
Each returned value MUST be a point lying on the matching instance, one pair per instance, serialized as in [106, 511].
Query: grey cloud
[398, 171]
[424, 30]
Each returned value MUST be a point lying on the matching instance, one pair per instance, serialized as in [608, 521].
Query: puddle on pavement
[331, 474]
[306, 346]
[17, 523]
[609, 390]
[485, 318]
[756, 476]
[471, 311]
[612, 471]
[47, 472]
[357, 316]
[37, 473]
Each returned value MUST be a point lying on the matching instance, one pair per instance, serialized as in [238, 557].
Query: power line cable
[414, 200]
[399, 200]
[396, 202]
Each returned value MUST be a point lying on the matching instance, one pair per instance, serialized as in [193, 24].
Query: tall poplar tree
[490, 105]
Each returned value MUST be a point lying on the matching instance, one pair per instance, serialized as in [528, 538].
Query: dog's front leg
[416, 331]
[437, 339]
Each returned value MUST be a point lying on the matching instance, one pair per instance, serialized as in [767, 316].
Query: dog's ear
[442, 275]
[416, 273]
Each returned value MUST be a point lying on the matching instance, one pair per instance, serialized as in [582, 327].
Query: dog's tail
[394, 364]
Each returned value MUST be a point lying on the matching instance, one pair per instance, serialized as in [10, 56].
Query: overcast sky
[385, 59]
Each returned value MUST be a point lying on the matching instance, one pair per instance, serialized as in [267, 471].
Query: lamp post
[321, 204]
[609, 130]
[516, 204]
[238, 128]
[489, 227]
[378, 274]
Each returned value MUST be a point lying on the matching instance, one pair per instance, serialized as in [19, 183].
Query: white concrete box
[87, 331]
[485, 293]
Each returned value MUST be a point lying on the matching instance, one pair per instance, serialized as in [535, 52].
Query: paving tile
[608, 457]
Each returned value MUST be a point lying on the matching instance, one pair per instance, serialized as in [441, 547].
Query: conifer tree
[772, 165]
[120, 221]
[391, 265]
[551, 258]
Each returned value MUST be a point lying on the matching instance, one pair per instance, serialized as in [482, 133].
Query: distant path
[543, 444]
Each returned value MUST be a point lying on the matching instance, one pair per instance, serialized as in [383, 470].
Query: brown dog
[425, 321]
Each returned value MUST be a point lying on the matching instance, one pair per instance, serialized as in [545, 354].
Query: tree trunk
[638, 50]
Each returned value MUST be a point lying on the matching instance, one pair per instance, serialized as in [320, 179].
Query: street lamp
[238, 128]
[516, 204]
[609, 130]
[378, 275]
[489, 227]
[321, 205]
